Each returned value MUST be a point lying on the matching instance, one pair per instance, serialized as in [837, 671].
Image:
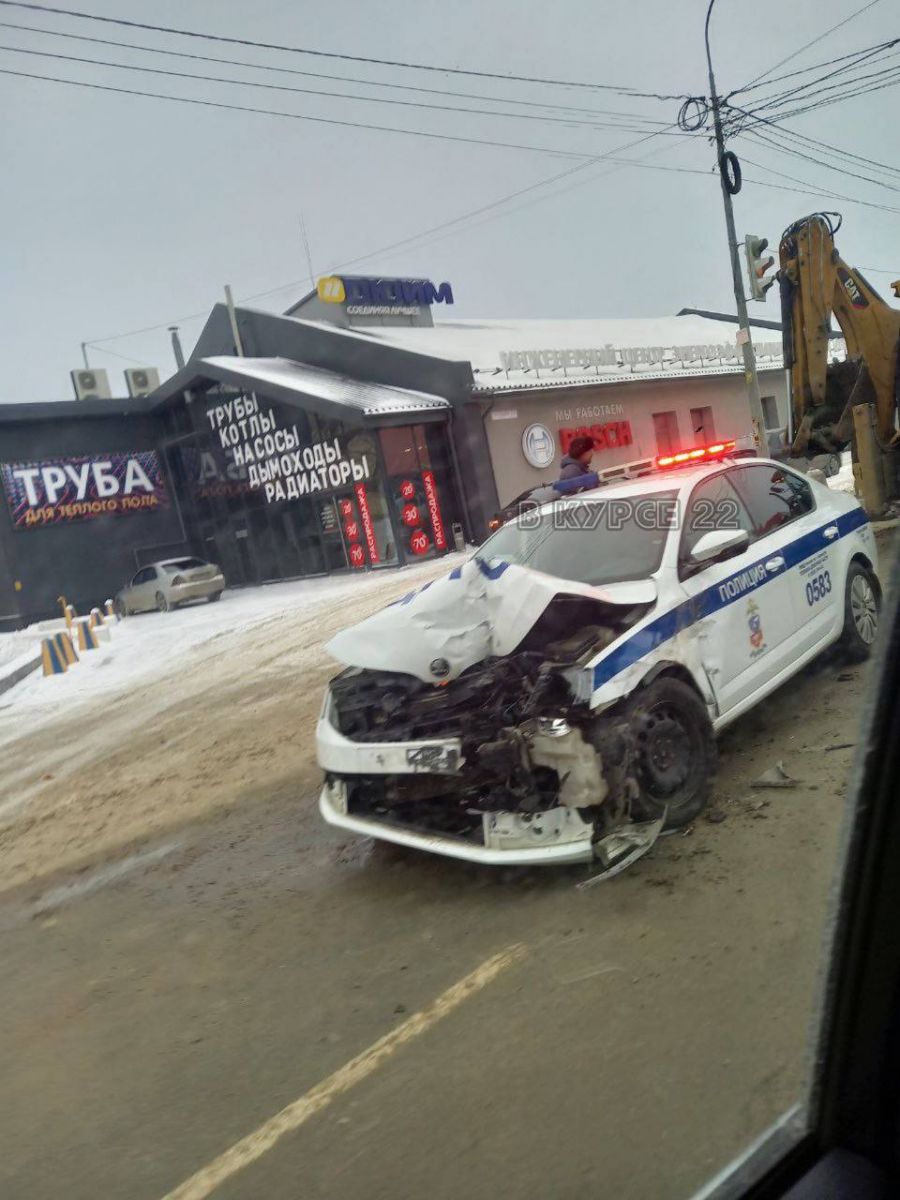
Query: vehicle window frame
[685, 569]
[140, 577]
[851, 1105]
[763, 466]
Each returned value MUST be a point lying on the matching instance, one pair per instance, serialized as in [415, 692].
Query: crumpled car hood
[475, 612]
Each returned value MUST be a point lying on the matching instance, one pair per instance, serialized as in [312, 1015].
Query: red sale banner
[366, 518]
[346, 507]
[419, 543]
[410, 515]
[407, 489]
[434, 510]
[357, 555]
[351, 528]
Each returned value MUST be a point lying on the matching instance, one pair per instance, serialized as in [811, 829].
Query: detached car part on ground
[556, 698]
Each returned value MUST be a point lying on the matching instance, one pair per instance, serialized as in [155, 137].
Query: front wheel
[861, 605]
[121, 610]
[675, 758]
[214, 596]
[162, 603]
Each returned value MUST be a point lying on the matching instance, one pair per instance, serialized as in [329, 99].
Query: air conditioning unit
[141, 380]
[90, 384]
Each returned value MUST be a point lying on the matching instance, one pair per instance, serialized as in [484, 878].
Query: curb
[16, 676]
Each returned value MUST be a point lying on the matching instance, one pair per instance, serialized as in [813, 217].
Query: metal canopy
[325, 392]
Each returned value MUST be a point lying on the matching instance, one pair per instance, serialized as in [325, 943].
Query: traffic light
[754, 248]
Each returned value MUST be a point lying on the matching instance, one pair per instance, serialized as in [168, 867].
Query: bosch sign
[362, 291]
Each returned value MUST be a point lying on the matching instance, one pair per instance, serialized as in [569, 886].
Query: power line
[446, 227]
[268, 112]
[382, 62]
[806, 141]
[280, 87]
[828, 62]
[494, 204]
[778, 101]
[813, 189]
[775, 99]
[138, 362]
[404, 87]
[805, 46]
[878, 87]
[795, 153]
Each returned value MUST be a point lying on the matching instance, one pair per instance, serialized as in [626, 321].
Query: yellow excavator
[843, 403]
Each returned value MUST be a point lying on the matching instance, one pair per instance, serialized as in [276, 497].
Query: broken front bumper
[534, 839]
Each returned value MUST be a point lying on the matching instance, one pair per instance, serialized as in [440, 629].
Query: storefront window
[306, 499]
[419, 482]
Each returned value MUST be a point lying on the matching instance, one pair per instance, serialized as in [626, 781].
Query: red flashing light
[716, 450]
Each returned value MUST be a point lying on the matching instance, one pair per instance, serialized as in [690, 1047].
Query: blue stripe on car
[719, 596]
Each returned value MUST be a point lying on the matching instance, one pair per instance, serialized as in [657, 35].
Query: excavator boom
[816, 284]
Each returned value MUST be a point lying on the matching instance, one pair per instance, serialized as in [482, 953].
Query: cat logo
[331, 289]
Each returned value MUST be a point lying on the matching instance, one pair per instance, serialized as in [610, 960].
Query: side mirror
[717, 543]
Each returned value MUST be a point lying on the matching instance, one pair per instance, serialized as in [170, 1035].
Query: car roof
[680, 479]
[165, 562]
[669, 479]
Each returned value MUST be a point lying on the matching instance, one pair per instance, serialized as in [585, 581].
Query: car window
[773, 495]
[182, 564]
[595, 542]
[141, 577]
[714, 504]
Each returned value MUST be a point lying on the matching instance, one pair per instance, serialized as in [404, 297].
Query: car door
[141, 594]
[782, 500]
[739, 605]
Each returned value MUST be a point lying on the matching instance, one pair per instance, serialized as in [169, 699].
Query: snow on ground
[147, 644]
[843, 480]
[15, 648]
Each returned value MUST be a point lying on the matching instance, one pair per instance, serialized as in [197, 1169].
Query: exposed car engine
[528, 742]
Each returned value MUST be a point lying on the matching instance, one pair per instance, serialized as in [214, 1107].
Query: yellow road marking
[255, 1144]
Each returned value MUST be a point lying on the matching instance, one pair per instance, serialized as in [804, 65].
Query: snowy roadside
[143, 647]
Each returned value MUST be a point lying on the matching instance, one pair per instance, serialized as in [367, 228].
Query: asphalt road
[628, 1040]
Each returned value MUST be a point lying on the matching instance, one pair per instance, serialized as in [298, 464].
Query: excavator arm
[816, 284]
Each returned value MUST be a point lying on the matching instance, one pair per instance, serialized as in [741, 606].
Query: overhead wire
[268, 112]
[360, 58]
[807, 70]
[812, 189]
[404, 242]
[814, 41]
[842, 77]
[843, 85]
[279, 87]
[271, 67]
[794, 152]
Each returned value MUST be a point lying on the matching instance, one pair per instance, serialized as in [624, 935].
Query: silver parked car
[165, 585]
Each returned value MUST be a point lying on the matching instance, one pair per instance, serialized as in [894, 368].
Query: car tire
[861, 608]
[214, 597]
[121, 609]
[675, 758]
[162, 603]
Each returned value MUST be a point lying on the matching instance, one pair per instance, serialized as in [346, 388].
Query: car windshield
[183, 564]
[589, 541]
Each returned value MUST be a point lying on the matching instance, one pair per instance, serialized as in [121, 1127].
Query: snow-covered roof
[339, 391]
[516, 354]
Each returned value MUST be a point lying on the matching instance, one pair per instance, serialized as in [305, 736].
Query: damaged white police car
[556, 698]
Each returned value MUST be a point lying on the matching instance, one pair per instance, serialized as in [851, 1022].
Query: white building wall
[509, 414]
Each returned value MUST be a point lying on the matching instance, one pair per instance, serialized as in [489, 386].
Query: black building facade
[282, 449]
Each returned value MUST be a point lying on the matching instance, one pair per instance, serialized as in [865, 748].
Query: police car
[556, 698]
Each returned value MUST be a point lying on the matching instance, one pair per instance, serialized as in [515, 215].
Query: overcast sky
[121, 212]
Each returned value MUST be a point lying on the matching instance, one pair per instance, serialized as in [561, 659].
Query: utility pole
[756, 413]
[84, 355]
